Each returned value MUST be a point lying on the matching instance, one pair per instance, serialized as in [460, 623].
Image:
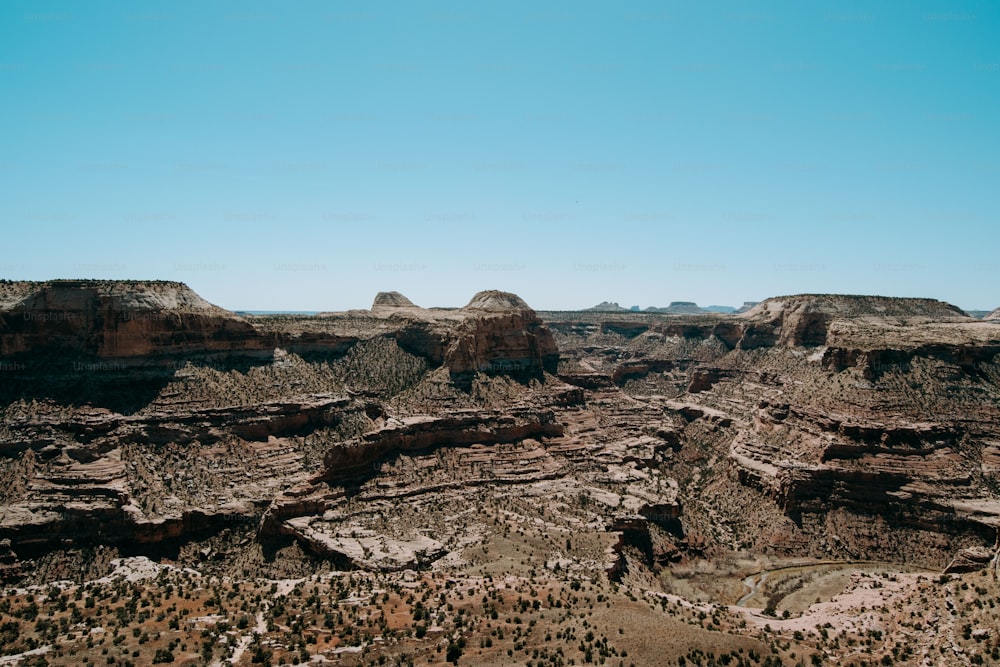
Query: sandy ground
[844, 612]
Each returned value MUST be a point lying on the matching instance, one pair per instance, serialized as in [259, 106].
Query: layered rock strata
[831, 426]
[117, 319]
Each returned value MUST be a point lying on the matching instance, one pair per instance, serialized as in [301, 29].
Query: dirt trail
[259, 629]
[753, 585]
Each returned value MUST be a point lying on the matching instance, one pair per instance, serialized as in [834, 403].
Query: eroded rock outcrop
[96, 477]
[804, 320]
[496, 300]
[869, 423]
[811, 461]
[425, 431]
[371, 506]
[117, 319]
[207, 426]
[607, 307]
[502, 343]
[389, 300]
[496, 333]
[116, 389]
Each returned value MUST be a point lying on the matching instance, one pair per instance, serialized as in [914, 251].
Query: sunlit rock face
[117, 319]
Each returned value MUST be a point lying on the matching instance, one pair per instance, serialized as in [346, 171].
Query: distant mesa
[847, 305]
[678, 308]
[391, 300]
[675, 308]
[496, 300]
[683, 308]
[607, 307]
[747, 305]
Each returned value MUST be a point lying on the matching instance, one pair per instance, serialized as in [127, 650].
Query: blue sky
[307, 155]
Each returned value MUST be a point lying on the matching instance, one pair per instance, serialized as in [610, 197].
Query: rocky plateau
[616, 447]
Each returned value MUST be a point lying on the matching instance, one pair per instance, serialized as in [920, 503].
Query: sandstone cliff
[805, 319]
[118, 326]
[496, 333]
[501, 335]
[108, 383]
[117, 319]
[421, 432]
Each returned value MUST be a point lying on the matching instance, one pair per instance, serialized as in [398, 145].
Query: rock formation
[500, 334]
[386, 300]
[842, 305]
[607, 307]
[496, 333]
[424, 432]
[679, 308]
[829, 406]
[187, 368]
[496, 300]
[820, 425]
[804, 319]
[501, 453]
[117, 320]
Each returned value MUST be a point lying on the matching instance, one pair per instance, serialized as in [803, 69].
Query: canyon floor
[812, 482]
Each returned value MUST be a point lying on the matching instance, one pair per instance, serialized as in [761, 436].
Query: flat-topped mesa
[121, 294]
[679, 308]
[495, 300]
[853, 305]
[391, 300]
[804, 319]
[607, 307]
[117, 319]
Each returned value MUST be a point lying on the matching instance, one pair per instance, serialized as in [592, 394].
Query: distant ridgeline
[675, 307]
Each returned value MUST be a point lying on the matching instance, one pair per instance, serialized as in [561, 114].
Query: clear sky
[306, 155]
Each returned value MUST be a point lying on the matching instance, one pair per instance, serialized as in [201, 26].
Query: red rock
[118, 319]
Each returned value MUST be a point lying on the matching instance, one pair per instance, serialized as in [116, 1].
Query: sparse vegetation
[621, 531]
